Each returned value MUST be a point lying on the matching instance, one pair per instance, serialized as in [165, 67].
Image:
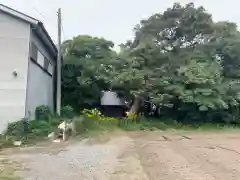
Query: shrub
[15, 130]
[104, 118]
[43, 113]
[54, 122]
[92, 114]
[131, 116]
[95, 120]
[34, 130]
[41, 128]
[67, 112]
[109, 121]
[97, 116]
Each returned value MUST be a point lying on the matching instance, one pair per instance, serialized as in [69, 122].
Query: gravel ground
[133, 156]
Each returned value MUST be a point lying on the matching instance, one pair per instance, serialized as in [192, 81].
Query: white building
[27, 71]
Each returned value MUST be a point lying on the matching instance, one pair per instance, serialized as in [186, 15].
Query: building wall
[110, 98]
[40, 77]
[113, 111]
[14, 50]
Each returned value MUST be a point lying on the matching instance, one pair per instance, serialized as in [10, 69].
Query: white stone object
[17, 143]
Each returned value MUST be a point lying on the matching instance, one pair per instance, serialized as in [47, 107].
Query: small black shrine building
[112, 105]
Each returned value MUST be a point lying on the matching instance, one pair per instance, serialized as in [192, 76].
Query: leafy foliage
[85, 70]
[131, 117]
[97, 115]
[180, 59]
[185, 63]
[43, 113]
[67, 111]
[36, 130]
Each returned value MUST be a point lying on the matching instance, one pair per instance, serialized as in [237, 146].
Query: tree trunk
[138, 101]
[136, 105]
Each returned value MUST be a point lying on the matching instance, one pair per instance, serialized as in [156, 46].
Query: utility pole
[59, 63]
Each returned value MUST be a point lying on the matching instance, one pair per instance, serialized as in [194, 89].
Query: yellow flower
[90, 116]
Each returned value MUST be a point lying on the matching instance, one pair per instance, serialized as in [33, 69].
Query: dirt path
[135, 156]
[189, 157]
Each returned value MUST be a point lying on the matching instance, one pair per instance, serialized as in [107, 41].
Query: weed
[67, 112]
[43, 113]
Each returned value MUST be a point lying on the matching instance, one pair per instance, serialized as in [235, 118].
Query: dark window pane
[46, 63]
[34, 52]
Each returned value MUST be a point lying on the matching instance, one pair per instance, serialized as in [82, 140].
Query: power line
[48, 21]
[36, 10]
[40, 13]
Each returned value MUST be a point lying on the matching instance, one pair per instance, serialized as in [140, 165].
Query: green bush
[54, 122]
[129, 125]
[43, 113]
[95, 120]
[15, 130]
[36, 130]
[92, 114]
[67, 112]
[131, 117]
[40, 128]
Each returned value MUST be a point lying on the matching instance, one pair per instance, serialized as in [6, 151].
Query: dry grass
[104, 137]
[6, 171]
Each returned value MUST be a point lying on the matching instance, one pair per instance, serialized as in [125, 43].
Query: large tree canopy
[181, 59]
[85, 68]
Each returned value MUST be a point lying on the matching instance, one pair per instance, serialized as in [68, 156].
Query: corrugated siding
[14, 49]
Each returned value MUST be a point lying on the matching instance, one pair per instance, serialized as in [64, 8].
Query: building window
[40, 59]
[34, 52]
[50, 68]
[46, 63]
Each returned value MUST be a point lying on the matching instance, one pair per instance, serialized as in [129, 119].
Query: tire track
[212, 161]
[162, 162]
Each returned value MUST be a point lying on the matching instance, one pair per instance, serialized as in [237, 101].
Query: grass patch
[217, 127]
[93, 128]
[86, 127]
[142, 125]
[36, 131]
[164, 124]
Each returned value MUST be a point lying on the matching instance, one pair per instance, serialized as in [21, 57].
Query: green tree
[162, 44]
[87, 61]
[184, 61]
[180, 59]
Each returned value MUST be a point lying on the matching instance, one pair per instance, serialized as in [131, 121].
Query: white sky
[111, 19]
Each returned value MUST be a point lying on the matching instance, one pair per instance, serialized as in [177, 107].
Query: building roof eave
[42, 32]
[38, 25]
